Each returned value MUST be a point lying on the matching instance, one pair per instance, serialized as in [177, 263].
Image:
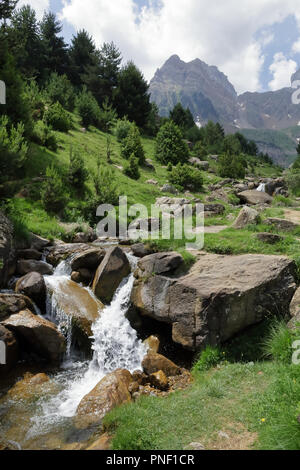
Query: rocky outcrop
[7, 250]
[219, 297]
[13, 303]
[114, 267]
[154, 362]
[11, 350]
[254, 197]
[38, 334]
[25, 266]
[89, 259]
[246, 216]
[110, 392]
[33, 285]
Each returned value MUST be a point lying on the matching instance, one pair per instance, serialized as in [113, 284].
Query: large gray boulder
[7, 250]
[25, 266]
[254, 197]
[13, 303]
[40, 335]
[114, 267]
[89, 259]
[218, 298]
[33, 286]
[246, 217]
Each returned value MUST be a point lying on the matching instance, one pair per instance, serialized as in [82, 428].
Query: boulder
[218, 298]
[58, 253]
[80, 307]
[246, 217]
[38, 243]
[149, 164]
[110, 392]
[30, 387]
[30, 253]
[217, 209]
[154, 362]
[295, 309]
[13, 303]
[160, 263]
[270, 238]
[39, 335]
[281, 224]
[159, 380]
[89, 259]
[25, 266]
[140, 250]
[169, 188]
[7, 250]
[114, 267]
[254, 197]
[152, 343]
[84, 276]
[85, 237]
[153, 182]
[11, 350]
[33, 286]
[218, 194]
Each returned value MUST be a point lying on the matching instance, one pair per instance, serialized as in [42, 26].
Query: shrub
[59, 89]
[13, 148]
[131, 168]
[278, 345]
[293, 181]
[53, 195]
[122, 129]
[170, 146]
[208, 358]
[35, 98]
[132, 145]
[183, 176]
[58, 118]
[88, 109]
[107, 117]
[43, 135]
[231, 166]
[77, 171]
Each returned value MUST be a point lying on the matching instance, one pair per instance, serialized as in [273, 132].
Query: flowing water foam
[115, 345]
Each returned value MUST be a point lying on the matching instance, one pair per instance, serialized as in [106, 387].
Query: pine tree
[84, 61]
[54, 48]
[110, 61]
[170, 146]
[182, 117]
[6, 8]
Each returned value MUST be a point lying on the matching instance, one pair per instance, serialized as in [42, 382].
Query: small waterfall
[262, 188]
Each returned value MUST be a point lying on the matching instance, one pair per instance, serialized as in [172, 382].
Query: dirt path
[292, 215]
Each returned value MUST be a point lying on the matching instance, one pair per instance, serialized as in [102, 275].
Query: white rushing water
[115, 345]
[262, 188]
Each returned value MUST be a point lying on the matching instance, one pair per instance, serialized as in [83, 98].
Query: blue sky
[256, 43]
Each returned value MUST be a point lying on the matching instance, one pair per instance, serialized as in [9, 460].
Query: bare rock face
[26, 266]
[7, 250]
[254, 197]
[154, 362]
[11, 350]
[110, 392]
[114, 267]
[246, 216]
[219, 297]
[33, 286]
[40, 335]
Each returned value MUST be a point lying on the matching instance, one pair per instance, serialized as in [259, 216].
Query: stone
[31, 387]
[246, 217]
[40, 335]
[25, 266]
[153, 182]
[254, 197]
[110, 392]
[152, 343]
[154, 362]
[60, 252]
[148, 164]
[283, 225]
[140, 250]
[218, 194]
[7, 250]
[103, 443]
[30, 253]
[114, 267]
[13, 303]
[89, 259]
[38, 243]
[295, 310]
[159, 380]
[218, 298]
[270, 238]
[82, 276]
[33, 286]
[169, 188]
[85, 237]
[217, 209]
[11, 350]
[160, 263]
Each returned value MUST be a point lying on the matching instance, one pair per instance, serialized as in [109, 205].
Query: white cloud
[38, 5]
[282, 70]
[220, 33]
[296, 47]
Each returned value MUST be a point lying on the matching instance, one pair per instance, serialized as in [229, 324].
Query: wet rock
[13, 303]
[254, 197]
[89, 259]
[103, 443]
[159, 380]
[281, 224]
[11, 350]
[270, 238]
[60, 252]
[40, 335]
[110, 392]
[246, 216]
[33, 286]
[31, 386]
[25, 266]
[219, 297]
[84, 276]
[154, 362]
[139, 377]
[114, 267]
[7, 250]
[152, 343]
